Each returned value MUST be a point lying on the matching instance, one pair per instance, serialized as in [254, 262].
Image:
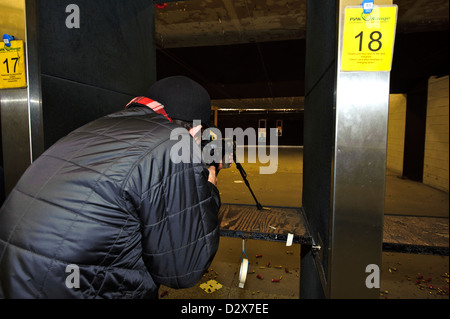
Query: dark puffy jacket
[107, 203]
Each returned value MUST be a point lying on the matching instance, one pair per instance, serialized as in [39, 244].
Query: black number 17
[7, 64]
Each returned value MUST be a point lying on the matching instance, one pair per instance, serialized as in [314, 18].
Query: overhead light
[256, 110]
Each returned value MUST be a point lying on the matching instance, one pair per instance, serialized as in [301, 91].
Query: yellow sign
[368, 43]
[12, 66]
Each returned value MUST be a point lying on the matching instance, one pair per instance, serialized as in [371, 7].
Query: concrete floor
[225, 270]
[403, 276]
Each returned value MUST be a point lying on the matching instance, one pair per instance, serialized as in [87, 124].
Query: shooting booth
[340, 223]
[71, 81]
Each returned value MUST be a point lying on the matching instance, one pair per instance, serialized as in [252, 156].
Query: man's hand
[213, 171]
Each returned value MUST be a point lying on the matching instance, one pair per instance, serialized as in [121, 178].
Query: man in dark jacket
[106, 213]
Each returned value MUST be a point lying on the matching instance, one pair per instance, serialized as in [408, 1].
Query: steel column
[21, 109]
[358, 185]
[346, 116]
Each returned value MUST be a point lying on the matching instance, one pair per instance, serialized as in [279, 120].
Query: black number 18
[371, 43]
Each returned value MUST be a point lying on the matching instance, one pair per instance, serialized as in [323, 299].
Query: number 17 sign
[368, 43]
[12, 65]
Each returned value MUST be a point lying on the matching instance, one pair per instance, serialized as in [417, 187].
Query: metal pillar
[346, 116]
[21, 109]
[356, 234]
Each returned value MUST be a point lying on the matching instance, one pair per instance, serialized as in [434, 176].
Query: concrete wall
[436, 163]
[396, 133]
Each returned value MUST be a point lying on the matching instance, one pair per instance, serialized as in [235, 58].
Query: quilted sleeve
[178, 209]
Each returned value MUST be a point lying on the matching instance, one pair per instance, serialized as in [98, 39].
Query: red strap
[155, 106]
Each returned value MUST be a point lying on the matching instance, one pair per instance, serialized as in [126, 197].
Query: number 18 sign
[368, 43]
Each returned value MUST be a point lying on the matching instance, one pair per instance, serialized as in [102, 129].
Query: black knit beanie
[183, 99]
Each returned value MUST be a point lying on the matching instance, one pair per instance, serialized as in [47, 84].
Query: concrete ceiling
[223, 22]
[251, 52]
[220, 22]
